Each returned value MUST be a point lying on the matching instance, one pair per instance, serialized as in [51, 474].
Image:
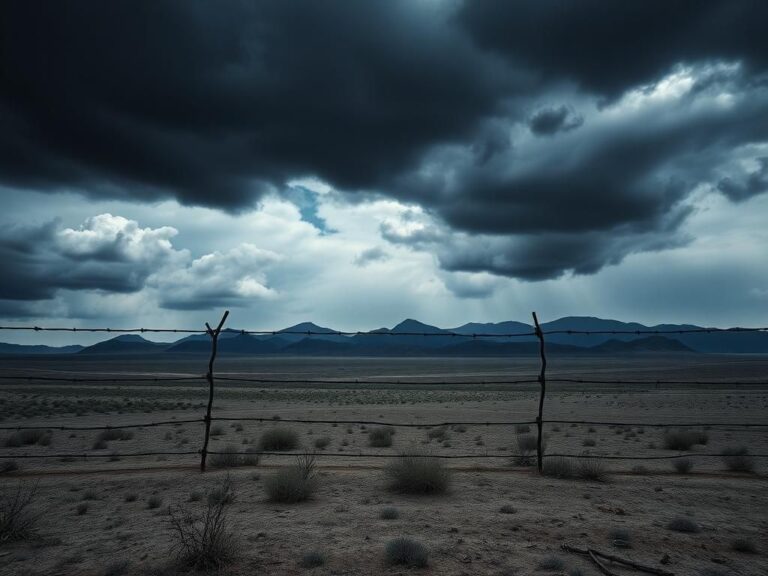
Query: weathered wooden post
[214, 334]
[543, 385]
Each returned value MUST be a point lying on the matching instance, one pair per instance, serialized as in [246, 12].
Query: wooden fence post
[543, 385]
[214, 334]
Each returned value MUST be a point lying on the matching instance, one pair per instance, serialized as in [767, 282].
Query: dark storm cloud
[431, 103]
[551, 120]
[607, 47]
[215, 106]
[754, 183]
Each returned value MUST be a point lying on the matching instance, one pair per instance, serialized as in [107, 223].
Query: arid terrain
[103, 512]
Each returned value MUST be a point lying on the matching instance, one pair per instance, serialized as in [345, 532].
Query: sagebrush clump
[295, 483]
[279, 440]
[18, 521]
[406, 552]
[381, 437]
[684, 439]
[738, 459]
[417, 474]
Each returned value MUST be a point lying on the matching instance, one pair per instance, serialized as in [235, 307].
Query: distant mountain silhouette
[24, 349]
[422, 339]
[125, 344]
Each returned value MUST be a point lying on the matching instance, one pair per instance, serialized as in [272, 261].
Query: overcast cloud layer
[483, 155]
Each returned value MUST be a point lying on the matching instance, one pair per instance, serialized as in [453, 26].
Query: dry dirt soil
[103, 512]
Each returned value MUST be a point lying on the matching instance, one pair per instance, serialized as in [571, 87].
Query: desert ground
[102, 512]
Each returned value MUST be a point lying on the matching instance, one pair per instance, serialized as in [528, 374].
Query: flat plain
[101, 511]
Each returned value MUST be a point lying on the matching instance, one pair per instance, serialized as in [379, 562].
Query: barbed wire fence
[210, 377]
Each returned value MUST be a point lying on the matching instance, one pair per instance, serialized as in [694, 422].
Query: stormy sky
[356, 163]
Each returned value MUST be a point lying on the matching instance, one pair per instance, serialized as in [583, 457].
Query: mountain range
[424, 340]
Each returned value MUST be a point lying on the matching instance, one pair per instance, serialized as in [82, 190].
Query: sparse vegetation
[589, 442]
[322, 442]
[203, 540]
[82, 508]
[389, 513]
[312, 560]
[738, 459]
[507, 509]
[154, 502]
[684, 439]
[295, 483]
[417, 474]
[591, 468]
[743, 545]
[28, 438]
[683, 465]
[381, 437]
[18, 521]
[683, 524]
[231, 457]
[279, 440]
[222, 494]
[406, 552]
[558, 467]
[527, 445]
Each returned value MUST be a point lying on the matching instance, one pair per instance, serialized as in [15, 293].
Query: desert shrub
[116, 568]
[440, 433]
[202, 540]
[526, 449]
[112, 434]
[154, 502]
[589, 468]
[294, 483]
[551, 562]
[738, 459]
[279, 440]
[217, 431]
[82, 508]
[230, 457]
[522, 429]
[389, 513]
[406, 552]
[380, 437]
[683, 465]
[507, 509]
[9, 466]
[558, 467]
[683, 524]
[743, 545]
[100, 445]
[89, 495]
[222, 494]
[312, 560]
[322, 442]
[417, 474]
[131, 497]
[28, 438]
[589, 442]
[17, 519]
[684, 439]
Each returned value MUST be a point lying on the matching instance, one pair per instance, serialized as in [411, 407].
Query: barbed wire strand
[582, 455]
[441, 333]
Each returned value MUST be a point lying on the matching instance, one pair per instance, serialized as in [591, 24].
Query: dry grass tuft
[295, 483]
